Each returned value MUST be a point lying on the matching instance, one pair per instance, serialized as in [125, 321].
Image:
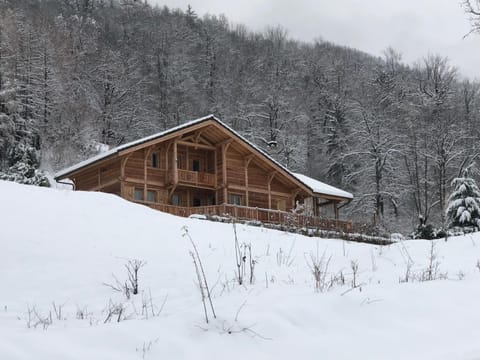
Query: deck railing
[267, 216]
[194, 178]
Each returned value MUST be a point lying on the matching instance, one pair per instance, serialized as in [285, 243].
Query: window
[196, 165]
[138, 194]
[196, 201]
[176, 199]
[155, 160]
[235, 199]
[151, 196]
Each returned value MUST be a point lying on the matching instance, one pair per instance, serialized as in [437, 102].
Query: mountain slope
[61, 246]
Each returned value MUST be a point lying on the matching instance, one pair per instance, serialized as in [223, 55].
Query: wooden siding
[97, 177]
[257, 178]
[259, 200]
[134, 167]
[235, 168]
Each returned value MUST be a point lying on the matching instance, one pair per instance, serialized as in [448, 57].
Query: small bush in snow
[35, 318]
[354, 267]
[285, 258]
[428, 232]
[319, 268]
[201, 277]
[243, 253]
[430, 273]
[115, 311]
[131, 285]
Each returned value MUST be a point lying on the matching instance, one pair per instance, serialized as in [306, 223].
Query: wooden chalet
[205, 167]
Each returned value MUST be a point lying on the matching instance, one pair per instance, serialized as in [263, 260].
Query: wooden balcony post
[247, 162]
[215, 168]
[175, 163]
[224, 170]
[270, 178]
[123, 163]
[335, 209]
[145, 167]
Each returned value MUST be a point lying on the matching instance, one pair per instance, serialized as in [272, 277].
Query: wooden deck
[267, 216]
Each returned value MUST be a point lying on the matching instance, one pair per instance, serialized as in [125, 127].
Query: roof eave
[64, 174]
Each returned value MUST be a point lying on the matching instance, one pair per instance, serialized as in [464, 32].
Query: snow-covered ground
[59, 246]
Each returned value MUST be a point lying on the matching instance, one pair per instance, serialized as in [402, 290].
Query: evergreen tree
[464, 202]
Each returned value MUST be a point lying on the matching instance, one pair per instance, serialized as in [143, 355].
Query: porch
[267, 216]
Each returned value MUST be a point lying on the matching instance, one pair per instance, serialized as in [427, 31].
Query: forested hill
[76, 74]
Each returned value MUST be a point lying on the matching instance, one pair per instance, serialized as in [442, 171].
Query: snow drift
[60, 248]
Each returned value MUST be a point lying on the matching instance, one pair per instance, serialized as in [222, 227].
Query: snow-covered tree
[464, 202]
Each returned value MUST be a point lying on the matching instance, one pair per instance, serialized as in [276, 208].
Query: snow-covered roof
[319, 187]
[315, 186]
[113, 151]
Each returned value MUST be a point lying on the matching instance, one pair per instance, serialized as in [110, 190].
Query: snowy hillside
[60, 248]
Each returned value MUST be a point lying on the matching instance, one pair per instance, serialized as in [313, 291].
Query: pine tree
[464, 203]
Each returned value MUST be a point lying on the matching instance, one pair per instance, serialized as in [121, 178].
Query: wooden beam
[170, 192]
[134, 180]
[175, 163]
[205, 141]
[123, 163]
[325, 203]
[270, 178]
[148, 151]
[195, 145]
[247, 162]
[224, 142]
[173, 135]
[335, 209]
[225, 147]
[258, 190]
[248, 159]
[166, 155]
[215, 168]
[197, 135]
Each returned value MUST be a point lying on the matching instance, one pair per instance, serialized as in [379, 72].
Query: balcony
[197, 178]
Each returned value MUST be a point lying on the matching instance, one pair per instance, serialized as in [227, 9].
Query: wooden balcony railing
[194, 178]
[267, 216]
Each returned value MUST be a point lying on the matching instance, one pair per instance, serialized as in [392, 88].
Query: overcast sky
[412, 27]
